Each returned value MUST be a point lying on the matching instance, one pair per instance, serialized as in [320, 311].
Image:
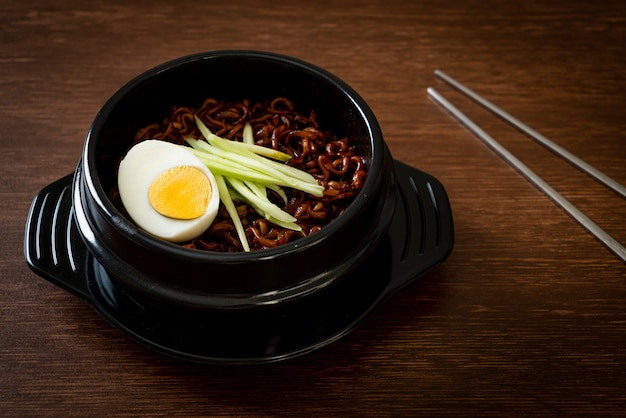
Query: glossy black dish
[420, 237]
[265, 305]
[195, 279]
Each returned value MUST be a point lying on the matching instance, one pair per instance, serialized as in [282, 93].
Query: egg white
[141, 165]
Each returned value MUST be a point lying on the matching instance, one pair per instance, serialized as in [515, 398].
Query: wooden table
[527, 315]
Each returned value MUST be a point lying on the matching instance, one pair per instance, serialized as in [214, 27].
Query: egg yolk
[181, 192]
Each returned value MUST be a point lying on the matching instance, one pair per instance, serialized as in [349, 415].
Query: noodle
[275, 124]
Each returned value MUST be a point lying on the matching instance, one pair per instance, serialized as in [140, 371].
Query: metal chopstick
[560, 151]
[572, 210]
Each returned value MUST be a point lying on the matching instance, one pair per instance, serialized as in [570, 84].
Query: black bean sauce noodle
[276, 124]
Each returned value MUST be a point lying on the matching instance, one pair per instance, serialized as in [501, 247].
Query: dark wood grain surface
[526, 317]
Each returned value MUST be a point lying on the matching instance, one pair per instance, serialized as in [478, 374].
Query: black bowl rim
[130, 230]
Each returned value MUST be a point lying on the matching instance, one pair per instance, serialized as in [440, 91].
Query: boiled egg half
[167, 191]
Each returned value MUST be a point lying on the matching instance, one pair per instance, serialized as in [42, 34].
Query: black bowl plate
[421, 236]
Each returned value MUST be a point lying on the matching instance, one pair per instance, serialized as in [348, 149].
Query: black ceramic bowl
[207, 280]
[262, 306]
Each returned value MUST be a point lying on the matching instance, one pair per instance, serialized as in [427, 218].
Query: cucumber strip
[265, 205]
[228, 170]
[279, 191]
[261, 191]
[231, 146]
[248, 135]
[245, 154]
[237, 165]
[232, 210]
[288, 225]
[256, 149]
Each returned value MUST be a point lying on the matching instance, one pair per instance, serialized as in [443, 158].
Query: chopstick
[558, 150]
[565, 204]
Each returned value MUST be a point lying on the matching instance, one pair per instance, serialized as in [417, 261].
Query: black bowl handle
[52, 245]
[422, 230]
